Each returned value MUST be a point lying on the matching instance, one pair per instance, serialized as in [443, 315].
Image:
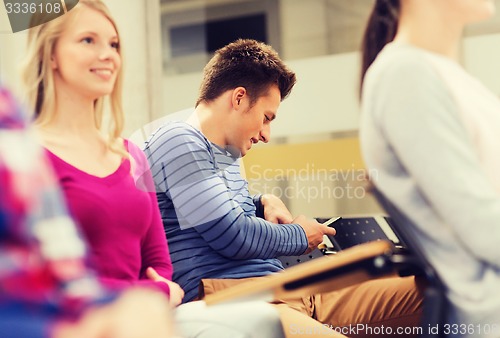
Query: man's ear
[238, 94]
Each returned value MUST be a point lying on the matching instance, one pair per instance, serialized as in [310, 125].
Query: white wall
[481, 57]
[139, 24]
[179, 92]
[12, 48]
[323, 101]
[325, 98]
[303, 29]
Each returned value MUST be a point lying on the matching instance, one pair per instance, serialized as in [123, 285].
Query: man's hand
[314, 231]
[275, 210]
[176, 292]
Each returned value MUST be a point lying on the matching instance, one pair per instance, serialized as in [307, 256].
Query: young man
[217, 231]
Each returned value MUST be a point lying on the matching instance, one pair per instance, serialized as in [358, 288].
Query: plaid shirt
[43, 276]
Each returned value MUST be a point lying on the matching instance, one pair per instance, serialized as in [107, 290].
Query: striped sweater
[208, 214]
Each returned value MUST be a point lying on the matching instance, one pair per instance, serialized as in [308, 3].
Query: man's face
[253, 123]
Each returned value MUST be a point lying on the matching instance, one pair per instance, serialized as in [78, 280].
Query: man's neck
[211, 120]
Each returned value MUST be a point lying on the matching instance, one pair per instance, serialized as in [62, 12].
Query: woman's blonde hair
[39, 79]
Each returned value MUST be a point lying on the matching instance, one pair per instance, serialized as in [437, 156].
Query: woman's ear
[53, 62]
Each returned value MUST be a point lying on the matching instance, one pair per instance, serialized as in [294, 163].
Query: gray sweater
[431, 133]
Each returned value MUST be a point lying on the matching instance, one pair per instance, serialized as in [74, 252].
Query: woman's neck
[430, 29]
[74, 115]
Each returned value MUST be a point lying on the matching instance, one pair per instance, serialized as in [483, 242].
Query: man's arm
[275, 210]
[184, 169]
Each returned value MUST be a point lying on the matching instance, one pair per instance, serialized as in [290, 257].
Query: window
[191, 34]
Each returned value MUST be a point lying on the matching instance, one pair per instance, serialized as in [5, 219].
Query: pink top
[120, 220]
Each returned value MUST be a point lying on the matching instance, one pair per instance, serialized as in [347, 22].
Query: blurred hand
[275, 210]
[176, 292]
[126, 317]
[314, 231]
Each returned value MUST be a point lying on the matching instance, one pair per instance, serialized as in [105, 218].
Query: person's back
[429, 131]
[472, 287]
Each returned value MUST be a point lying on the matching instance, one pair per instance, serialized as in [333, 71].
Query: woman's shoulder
[401, 68]
[399, 58]
[133, 149]
[139, 166]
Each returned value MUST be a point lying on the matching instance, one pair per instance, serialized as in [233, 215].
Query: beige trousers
[389, 307]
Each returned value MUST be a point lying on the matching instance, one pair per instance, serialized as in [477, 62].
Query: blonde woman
[74, 62]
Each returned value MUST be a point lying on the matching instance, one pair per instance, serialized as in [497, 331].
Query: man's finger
[330, 231]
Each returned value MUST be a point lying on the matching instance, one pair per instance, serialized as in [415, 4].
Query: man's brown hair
[245, 63]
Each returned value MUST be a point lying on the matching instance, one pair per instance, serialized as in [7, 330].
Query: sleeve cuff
[259, 208]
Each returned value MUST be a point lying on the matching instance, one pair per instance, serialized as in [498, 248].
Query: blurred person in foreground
[431, 132]
[46, 289]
